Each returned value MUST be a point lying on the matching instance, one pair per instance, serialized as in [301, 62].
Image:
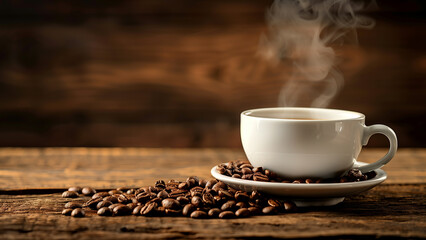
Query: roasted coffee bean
[73, 205]
[246, 170]
[289, 206]
[188, 209]
[137, 210]
[270, 174]
[115, 191]
[274, 203]
[241, 196]
[269, 210]
[160, 184]
[211, 183]
[354, 174]
[67, 211]
[100, 194]
[132, 205]
[254, 210]
[88, 191]
[257, 169]
[183, 185]
[122, 210]
[149, 209]
[69, 194]
[219, 185]
[75, 189]
[214, 212]
[255, 195]
[92, 203]
[104, 211]
[224, 193]
[242, 212]
[162, 194]
[260, 177]
[143, 197]
[112, 199]
[170, 203]
[197, 201]
[190, 182]
[131, 191]
[198, 214]
[247, 177]
[173, 212]
[246, 165]
[103, 204]
[124, 198]
[241, 205]
[196, 191]
[221, 170]
[122, 189]
[78, 212]
[178, 192]
[115, 205]
[208, 199]
[154, 189]
[156, 200]
[226, 214]
[229, 205]
[297, 181]
[236, 175]
[202, 183]
[182, 200]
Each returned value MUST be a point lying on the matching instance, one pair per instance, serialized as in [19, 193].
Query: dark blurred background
[178, 73]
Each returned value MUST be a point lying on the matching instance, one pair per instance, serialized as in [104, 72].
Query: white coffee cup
[309, 142]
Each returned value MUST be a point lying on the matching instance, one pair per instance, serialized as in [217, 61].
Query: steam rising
[305, 32]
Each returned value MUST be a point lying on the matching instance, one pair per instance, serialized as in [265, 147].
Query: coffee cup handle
[393, 142]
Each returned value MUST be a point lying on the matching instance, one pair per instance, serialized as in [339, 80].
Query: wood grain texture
[32, 179]
[115, 167]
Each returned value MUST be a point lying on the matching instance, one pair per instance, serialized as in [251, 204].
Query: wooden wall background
[163, 73]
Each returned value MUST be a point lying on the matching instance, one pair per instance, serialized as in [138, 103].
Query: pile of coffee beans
[244, 170]
[195, 198]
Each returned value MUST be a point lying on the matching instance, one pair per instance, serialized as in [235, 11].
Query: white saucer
[304, 195]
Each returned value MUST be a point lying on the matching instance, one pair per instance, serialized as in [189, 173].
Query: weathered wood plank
[115, 167]
[386, 211]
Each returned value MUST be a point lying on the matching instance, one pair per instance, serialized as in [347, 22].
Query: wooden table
[31, 182]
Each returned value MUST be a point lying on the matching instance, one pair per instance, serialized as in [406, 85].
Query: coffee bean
[137, 210]
[289, 206]
[225, 194]
[241, 196]
[162, 194]
[88, 191]
[143, 197]
[188, 209]
[114, 191]
[111, 207]
[177, 192]
[122, 210]
[255, 195]
[241, 205]
[257, 169]
[246, 170]
[182, 200]
[236, 175]
[112, 199]
[172, 212]
[67, 211]
[229, 205]
[247, 177]
[190, 182]
[254, 210]
[100, 194]
[202, 183]
[78, 212]
[76, 189]
[214, 212]
[198, 214]
[72, 205]
[104, 211]
[220, 170]
[196, 191]
[131, 191]
[69, 194]
[226, 214]
[92, 203]
[160, 184]
[297, 181]
[274, 203]
[309, 181]
[269, 210]
[170, 203]
[197, 201]
[124, 198]
[183, 185]
[211, 183]
[242, 212]
[260, 177]
[246, 165]
[208, 199]
[103, 204]
[219, 185]
[149, 209]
